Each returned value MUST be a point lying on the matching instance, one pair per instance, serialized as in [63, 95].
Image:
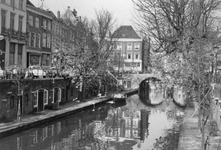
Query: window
[45, 133]
[37, 22]
[29, 38]
[119, 46]
[129, 56]
[35, 98]
[45, 97]
[44, 40]
[12, 3]
[59, 94]
[33, 39]
[44, 24]
[127, 133]
[48, 40]
[20, 46]
[128, 123]
[52, 129]
[218, 57]
[30, 20]
[21, 4]
[35, 137]
[136, 46]
[12, 21]
[129, 46]
[49, 25]
[56, 95]
[12, 54]
[12, 101]
[58, 127]
[135, 133]
[136, 56]
[127, 64]
[20, 20]
[3, 16]
[38, 40]
[135, 124]
[128, 84]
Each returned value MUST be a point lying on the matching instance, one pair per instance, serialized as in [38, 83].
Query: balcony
[14, 34]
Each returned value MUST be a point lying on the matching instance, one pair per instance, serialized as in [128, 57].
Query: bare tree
[183, 32]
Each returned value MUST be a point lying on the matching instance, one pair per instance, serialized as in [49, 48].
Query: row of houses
[30, 35]
[34, 36]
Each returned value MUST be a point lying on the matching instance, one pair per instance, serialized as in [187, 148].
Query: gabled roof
[29, 3]
[125, 32]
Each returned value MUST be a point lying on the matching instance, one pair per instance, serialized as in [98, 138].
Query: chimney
[58, 15]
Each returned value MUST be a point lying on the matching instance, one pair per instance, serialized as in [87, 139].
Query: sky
[122, 10]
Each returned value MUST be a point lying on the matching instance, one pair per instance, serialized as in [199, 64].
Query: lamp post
[1, 38]
[216, 49]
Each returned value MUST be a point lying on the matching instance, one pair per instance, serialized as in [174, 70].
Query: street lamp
[216, 49]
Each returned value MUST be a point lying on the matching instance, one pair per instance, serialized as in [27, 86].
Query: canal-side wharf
[190, 136]
[33, 120]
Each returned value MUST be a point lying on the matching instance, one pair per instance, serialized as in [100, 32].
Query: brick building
[39, 29]
[13, 28]
[128, 49]
[62, 38]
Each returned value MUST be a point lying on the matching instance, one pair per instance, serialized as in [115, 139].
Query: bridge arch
[152, 91]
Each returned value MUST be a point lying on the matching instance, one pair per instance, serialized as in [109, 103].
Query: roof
[40, 10]
[125, 32]
[29, 3]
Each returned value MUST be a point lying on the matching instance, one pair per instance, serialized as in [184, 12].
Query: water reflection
[117, 126]
[152, 91]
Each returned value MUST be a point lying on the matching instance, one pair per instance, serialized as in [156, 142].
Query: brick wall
[69, 91]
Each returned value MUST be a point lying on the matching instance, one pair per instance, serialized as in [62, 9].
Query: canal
[111, 126]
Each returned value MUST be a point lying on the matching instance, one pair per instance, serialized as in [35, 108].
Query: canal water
[125, 125]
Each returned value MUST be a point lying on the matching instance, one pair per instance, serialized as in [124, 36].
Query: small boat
[119, 96]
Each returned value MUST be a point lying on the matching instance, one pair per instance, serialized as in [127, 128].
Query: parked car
[54, 72]
[14, 72]
[35, 72]
[2, 74]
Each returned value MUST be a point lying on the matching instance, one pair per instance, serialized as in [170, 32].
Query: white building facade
[13, 28]
[128, 48]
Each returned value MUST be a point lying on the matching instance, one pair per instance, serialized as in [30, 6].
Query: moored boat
[119, 96]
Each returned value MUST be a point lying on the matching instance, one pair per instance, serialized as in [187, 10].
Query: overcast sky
[122, 9]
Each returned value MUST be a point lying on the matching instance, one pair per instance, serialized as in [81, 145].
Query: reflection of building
[144, 125]
[75, 132]
[39, 36]
[13, 28]
[128, 126]
[123, 126]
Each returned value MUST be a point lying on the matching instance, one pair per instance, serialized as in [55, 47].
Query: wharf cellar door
[41, 100]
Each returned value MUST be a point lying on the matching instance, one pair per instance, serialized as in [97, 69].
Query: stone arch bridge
[132, 81]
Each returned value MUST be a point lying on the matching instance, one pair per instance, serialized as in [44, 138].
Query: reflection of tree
[169, 141]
